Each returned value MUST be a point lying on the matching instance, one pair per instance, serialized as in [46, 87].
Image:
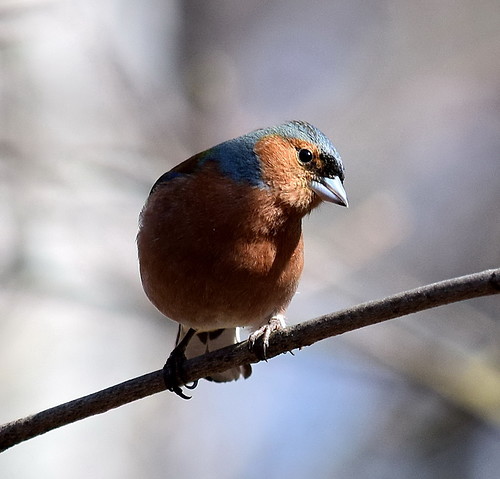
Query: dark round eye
[305, 155]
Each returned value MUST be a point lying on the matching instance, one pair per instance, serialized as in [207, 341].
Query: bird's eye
[305, 155]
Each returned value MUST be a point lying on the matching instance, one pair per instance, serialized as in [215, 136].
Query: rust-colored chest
[214, 253]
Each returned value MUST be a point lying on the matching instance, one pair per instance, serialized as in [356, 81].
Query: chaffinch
[220, 236]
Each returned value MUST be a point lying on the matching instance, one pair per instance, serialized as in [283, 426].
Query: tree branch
[304, 334]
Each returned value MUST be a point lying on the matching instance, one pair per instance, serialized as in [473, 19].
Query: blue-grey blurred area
[99, 98]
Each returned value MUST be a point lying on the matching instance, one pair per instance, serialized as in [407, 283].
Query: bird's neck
[270, 217]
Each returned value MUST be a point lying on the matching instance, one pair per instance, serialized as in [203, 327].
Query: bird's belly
[241, 284]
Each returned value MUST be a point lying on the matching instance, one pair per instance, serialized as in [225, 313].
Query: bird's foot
[258, 341]
[173, 369]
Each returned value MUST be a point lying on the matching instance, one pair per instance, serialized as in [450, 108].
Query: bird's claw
[173, 369]
[258, 341]
[172, 374]
[177, 390]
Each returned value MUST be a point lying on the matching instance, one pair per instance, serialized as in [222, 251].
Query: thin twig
[304, 334]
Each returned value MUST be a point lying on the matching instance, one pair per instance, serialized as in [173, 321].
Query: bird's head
[300, 165]
[295, 163]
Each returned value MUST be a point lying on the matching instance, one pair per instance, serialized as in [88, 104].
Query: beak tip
[331, 190]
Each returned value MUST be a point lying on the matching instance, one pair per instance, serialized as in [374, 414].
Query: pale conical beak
[330, 189]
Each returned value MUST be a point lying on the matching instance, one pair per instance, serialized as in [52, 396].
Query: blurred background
[99, 98]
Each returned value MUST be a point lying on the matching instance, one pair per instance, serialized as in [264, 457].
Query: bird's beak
[330, 189]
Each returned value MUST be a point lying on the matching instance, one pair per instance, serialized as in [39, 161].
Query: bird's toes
[258, 341]
[173, 370]
[172, 374]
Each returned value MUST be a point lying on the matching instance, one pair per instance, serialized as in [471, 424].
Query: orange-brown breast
[217, 253]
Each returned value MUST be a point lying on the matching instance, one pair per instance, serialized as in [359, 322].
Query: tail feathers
[205, 342]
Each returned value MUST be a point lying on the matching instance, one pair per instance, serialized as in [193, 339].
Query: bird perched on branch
[220, 236]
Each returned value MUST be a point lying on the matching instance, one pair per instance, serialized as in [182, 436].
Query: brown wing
[187, 167]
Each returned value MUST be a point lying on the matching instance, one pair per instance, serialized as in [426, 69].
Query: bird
[220, 241]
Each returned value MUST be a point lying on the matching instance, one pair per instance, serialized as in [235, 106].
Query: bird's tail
[205, 342]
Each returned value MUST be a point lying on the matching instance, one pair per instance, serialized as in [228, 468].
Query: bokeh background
[99, 98]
